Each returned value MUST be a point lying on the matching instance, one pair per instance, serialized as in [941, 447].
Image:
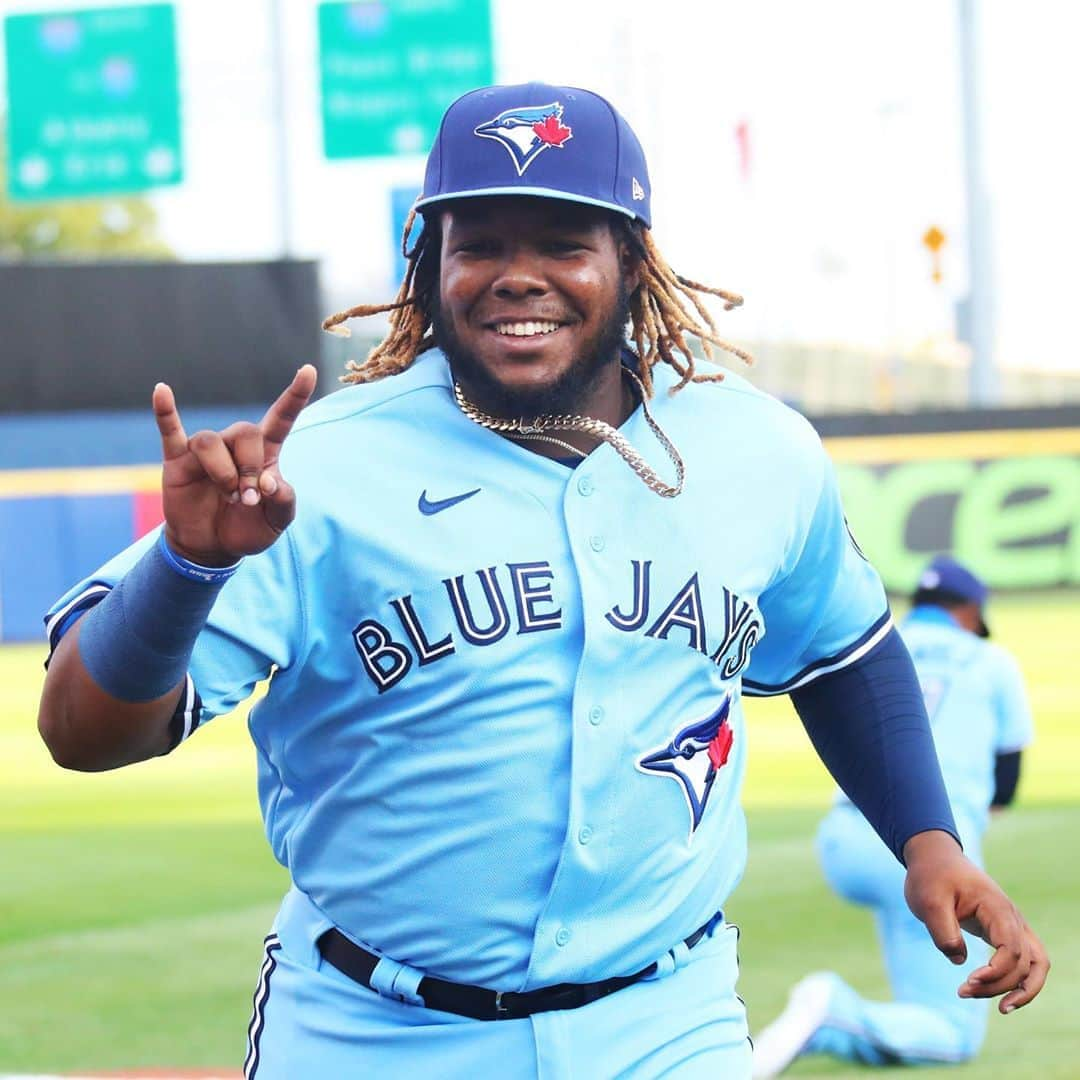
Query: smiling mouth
[525, 329]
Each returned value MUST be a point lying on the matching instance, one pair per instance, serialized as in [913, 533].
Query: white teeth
[526, 329]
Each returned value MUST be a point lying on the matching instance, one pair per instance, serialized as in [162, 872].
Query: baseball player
[509, 586]
[981, 722]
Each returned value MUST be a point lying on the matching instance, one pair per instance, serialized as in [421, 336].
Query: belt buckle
[501, 1011]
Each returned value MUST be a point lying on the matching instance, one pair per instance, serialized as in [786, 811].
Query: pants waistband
[478, 1002]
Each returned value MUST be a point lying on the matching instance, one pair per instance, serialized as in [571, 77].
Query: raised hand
[222, 492]
[949, 892]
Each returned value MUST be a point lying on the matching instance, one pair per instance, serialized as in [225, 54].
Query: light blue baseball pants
[311, 1022]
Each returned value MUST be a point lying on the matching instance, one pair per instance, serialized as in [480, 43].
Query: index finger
[280, 417]
[1032, 983]
[174, 440]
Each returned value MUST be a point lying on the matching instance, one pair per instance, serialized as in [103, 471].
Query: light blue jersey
[503, 740]
[976, 701]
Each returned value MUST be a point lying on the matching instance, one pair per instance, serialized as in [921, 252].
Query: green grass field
[134, 904]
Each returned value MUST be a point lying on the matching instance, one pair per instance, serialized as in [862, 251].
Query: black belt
[478, 1002]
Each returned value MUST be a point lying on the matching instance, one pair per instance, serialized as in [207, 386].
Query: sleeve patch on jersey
[842, 659]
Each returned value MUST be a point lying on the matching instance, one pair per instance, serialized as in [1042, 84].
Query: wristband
[209, 575]
[136, 643]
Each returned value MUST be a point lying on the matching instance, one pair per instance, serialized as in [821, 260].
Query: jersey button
[596, 714]
[562, 937]
[596, 543]
[585, 484]
[584, 834]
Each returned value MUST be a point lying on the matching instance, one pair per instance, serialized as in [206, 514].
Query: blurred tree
[112, 227]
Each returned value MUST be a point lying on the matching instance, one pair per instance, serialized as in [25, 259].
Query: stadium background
[805, 167]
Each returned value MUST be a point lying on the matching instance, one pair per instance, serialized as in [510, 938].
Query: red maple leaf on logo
[552, 131]
[720, 746]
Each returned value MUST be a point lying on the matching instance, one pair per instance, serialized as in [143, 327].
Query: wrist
[932, 844]
[213, 568]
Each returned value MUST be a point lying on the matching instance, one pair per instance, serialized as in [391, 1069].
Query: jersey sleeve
[1014, 727]
[255, 626]
[827, 607]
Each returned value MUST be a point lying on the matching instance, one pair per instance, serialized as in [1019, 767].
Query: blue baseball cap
[557, 142]
[950, 579]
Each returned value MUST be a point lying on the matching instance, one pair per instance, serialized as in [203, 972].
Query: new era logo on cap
[595, 158]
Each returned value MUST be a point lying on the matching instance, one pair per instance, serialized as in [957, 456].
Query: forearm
[115, 678]
[86, 728]
[868, 724]
[1006, 778]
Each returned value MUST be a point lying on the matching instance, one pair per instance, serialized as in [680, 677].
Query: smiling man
[518, 579]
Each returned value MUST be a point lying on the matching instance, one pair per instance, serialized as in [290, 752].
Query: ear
[629, 265]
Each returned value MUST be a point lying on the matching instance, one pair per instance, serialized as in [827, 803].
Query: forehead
[520, 212]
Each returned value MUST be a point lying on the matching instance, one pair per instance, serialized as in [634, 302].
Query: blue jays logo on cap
[527, 120]
[527, 132]
[694, 756]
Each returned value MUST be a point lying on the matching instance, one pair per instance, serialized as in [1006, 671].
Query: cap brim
[535, 192]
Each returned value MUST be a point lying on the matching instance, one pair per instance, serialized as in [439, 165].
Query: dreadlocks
[664, 309]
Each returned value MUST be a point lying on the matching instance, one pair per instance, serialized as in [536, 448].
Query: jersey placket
[561, 949]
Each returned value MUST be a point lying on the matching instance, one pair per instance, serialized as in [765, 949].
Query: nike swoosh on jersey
[434, 507]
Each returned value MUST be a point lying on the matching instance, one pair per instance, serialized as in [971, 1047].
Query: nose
[519, 275]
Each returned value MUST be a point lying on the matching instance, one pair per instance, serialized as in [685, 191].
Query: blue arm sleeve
[869, 726]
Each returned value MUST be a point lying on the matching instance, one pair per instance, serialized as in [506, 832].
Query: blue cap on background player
[557, 142]
[949, 579]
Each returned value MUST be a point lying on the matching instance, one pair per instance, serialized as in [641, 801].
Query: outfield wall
[70, 498]
[1005, 500]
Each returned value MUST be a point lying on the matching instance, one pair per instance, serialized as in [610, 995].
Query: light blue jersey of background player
[981, 720]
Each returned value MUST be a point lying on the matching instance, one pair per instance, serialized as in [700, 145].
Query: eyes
[493, 246]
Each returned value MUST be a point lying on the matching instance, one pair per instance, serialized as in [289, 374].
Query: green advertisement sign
[1015, 520]
[93, 102]
[389, 68]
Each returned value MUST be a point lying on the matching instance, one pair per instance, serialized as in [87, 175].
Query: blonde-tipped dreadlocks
[660, 313]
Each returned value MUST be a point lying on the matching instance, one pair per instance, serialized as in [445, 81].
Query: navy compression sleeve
[1006, 777]
[869, 726]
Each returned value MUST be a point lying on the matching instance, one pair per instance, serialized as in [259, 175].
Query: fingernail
[1009, 1009]
[234, 496]
[250, 497]
[268, 484]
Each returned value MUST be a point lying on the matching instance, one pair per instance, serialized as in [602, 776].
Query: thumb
[944, 929]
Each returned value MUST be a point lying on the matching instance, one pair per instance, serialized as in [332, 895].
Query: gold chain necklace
[535, 430]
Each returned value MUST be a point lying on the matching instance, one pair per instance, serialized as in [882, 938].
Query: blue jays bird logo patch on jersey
[527, 132]
[694, 756]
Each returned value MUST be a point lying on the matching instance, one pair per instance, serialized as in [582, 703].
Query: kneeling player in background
[981, 722]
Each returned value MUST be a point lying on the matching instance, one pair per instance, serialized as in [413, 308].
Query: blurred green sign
[93, 101]
[389, 68]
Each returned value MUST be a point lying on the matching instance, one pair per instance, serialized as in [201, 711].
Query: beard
[563, 395]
